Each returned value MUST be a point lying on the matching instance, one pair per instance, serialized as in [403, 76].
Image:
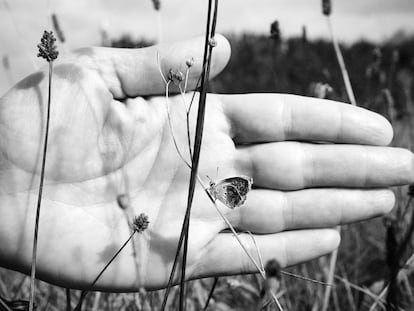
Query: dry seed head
[326, 7]
[140, 223]
[273, 269]
[189, 62]
[175, 76]
[47, 47]
[212, 42]
[275, 31]
[157, 4]
[273, 277]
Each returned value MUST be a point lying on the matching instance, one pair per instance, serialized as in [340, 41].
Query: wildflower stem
[341, 63]
[301, 277]
[261, 271]
[210, 294]
[330, 280]
[210, 32]
[85, 292]
[3, 305]
[39, 197]
[68, 300]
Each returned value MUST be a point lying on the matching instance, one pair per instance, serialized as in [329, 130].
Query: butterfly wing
[232, 191]
[243, 184]
[228, 195]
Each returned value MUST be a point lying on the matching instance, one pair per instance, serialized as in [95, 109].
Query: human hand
[109, 137]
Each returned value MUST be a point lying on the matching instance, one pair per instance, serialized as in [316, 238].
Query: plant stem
[194, 161]
[341, 63]
[4, 306]
[85, 292]
[68, 300]
[330, 279]
[39, 198]
[210, 294]
[210, 32]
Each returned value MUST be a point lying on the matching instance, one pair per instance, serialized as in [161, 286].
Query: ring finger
[270, 211]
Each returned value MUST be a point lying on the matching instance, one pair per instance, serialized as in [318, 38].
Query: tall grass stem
[68, 300]
[210, 31]
[85, 292]
[40, 193]
[341, 63]
[330, 278]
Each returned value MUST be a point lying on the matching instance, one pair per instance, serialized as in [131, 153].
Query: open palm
[110, 136]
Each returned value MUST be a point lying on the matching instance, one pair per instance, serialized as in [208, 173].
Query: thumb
[136, 72]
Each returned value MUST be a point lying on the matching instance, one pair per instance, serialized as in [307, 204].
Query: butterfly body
[231, 191]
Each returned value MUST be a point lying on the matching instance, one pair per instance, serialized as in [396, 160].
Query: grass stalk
[40, 193]
[68, 300]
[210, 31]
[210, 294]
[341, 63]
[85, 292]
[4, 306]
[362, 290]
[208, 48]
[330, 278]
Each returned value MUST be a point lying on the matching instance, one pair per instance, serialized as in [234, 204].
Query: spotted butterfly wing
[231, 191]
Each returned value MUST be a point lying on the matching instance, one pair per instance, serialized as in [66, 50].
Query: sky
[22, 22]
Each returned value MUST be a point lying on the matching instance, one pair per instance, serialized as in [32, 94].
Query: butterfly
[231, 191]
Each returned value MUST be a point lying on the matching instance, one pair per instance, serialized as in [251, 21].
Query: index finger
[279, 117]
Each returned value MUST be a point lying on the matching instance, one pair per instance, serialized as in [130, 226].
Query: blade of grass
[3, 305]
[330, 278]
[208, 47]
[40, 193]
[341, 63]
[195, 159]
[85, 292]
[210, 294]
[68, 300]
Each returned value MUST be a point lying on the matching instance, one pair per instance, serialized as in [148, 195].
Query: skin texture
[109, 136]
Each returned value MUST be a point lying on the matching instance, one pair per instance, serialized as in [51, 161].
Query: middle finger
[293, 165]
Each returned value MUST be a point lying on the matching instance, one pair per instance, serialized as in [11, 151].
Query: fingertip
[385, 131]
[402, 168]
[219, 58]
[332, 239]
[313, 244]
[326, 241]
[221, 55]
[384, 201]
[373, 128]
